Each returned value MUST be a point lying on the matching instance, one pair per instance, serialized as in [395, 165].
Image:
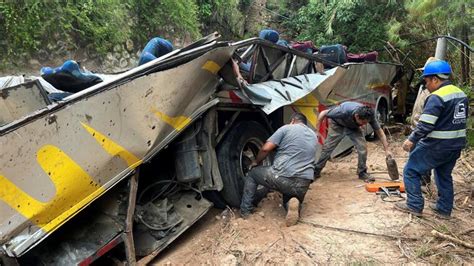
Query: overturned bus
[127, 165]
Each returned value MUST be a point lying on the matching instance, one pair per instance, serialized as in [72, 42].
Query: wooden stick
[404, 252]
[452, 239]
[467, 165]
[357, 231]
[467, 231]
[269, 246]
[308, 252]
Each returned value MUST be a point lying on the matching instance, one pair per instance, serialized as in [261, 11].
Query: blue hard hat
[437, 68]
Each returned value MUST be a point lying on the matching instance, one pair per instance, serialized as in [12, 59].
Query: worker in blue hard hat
[436, 142]
[155, 48]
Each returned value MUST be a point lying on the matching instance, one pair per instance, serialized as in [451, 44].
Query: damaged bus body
[124, 167]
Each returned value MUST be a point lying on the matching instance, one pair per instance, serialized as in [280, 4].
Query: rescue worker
[292, 169]
[436, 142]
[346, 120]
[155, 48]
[415, 116]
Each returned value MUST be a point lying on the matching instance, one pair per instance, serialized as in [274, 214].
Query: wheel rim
[248, 153]
[381, 116]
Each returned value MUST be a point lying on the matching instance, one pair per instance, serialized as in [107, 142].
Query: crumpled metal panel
[275, 94]
[358, 82]
[21, 100]
[58, 162]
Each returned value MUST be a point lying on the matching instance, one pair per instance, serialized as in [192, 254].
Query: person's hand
[407, 145]
[252, 164]
[242, 82]
[388, 153]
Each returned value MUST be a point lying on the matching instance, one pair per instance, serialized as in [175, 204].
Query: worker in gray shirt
[292, 170]
[346, 120]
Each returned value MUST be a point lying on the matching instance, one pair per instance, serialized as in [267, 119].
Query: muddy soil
[362, 228]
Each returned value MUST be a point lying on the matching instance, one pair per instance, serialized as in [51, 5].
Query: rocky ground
[341, 223]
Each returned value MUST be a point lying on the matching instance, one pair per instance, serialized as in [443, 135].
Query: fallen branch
[405, 225]
[442, 245]
[358, 231]
[467, 165]
[269, 246]
[452, 239]
[233, 239]
[308, 252]
[467, 231]
[404, 252]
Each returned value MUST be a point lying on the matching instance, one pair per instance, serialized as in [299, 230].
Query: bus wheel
[238, 148]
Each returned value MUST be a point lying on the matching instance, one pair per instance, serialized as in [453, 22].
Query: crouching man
[291, 172]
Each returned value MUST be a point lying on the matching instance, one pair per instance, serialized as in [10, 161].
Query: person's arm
[238, 75]
[271, 144]
[321, 117]
[383, 139]
[263, 152]
[433, 108]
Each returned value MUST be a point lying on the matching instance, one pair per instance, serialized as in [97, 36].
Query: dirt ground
[380, 234]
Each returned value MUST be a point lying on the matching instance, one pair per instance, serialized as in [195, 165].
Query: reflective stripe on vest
[430, 119]
[452, 134]
[449, 92]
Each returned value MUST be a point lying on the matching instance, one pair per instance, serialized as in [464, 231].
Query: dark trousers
[421, 160]
[289, 187]
[335, 135]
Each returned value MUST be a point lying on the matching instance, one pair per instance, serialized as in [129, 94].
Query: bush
[29, 26]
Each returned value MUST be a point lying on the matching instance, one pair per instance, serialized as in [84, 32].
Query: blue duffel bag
[335, 53]
[69, 77]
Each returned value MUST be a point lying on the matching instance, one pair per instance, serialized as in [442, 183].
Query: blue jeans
[335, 135]
[421, 160]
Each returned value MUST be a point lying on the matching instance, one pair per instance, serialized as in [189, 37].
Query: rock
[117, 48]
[125, 55]
[229, 259]
[34, 63]
[262, 214]
[129, 45]
[123, 63]
[109, 57]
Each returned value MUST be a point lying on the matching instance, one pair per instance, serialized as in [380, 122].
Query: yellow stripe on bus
[211, 66]
[178, 122]
[113, 148]
[74, 189]
[307, 105]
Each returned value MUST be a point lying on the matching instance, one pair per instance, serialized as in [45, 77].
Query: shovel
[392, 167]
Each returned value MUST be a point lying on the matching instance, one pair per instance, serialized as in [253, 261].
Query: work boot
[293, 213]
[366, 177]
[401, 206]
[317, 173]
[245, 214]
[439, 214]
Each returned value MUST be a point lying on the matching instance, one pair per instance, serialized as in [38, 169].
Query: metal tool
[392, 168]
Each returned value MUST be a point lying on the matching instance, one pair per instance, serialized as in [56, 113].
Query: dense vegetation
[44, 29]
[28, 25]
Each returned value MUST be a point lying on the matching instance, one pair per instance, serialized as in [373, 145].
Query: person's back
[449, 124]
[292, 170]
[344, 115]
[296, 151]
